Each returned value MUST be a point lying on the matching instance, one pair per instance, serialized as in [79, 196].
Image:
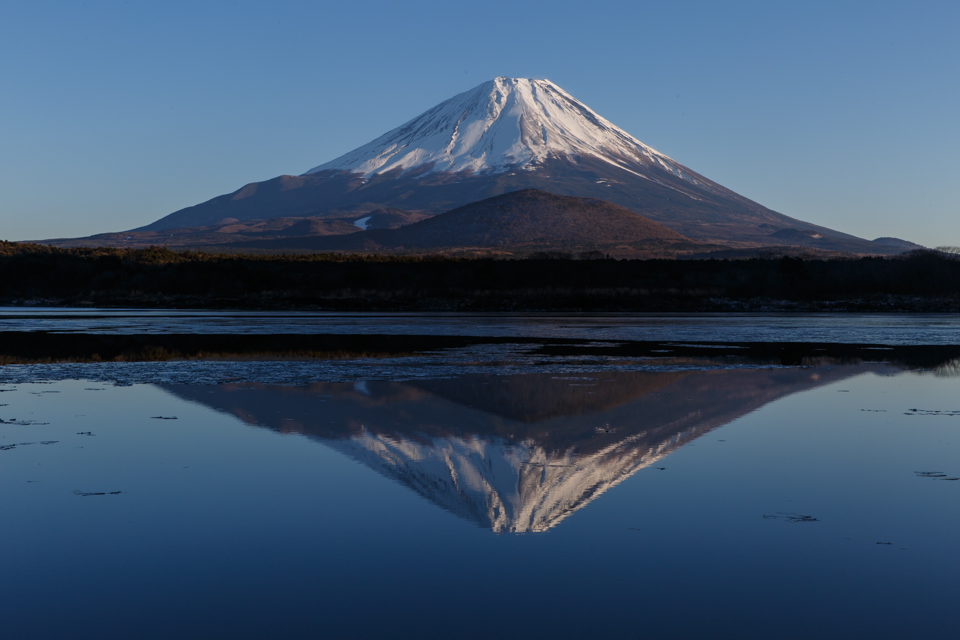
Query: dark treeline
[34, 274]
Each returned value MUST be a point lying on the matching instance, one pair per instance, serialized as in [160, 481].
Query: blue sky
[113, 114]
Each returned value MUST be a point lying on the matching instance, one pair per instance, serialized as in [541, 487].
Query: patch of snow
[362, 222]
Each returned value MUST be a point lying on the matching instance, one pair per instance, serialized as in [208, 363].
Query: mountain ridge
[528, 218]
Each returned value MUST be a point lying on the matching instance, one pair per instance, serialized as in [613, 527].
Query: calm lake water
[487, 490]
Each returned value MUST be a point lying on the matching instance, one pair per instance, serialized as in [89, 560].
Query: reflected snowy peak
[514, 453]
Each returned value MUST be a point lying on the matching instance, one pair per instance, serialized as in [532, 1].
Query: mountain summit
[507, 135]
[506, 124]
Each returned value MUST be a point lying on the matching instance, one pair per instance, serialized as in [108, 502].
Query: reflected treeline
[514, 453]
[33, 347]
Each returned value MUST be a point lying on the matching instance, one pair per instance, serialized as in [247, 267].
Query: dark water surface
[512, 490]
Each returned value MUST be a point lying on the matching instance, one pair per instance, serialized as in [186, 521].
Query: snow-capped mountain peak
[506, 135]
[506, 124]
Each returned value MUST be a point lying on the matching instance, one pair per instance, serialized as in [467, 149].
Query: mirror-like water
[677, 496]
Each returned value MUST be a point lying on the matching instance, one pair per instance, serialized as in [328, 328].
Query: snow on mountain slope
[506, 124]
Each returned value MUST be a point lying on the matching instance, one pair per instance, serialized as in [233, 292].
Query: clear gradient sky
[114, 114]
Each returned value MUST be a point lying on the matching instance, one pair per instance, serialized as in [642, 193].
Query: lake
[205, 474]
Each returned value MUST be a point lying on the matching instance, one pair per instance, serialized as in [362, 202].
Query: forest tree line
[37, 274]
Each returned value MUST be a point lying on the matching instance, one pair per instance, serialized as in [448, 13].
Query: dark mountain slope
[528, 218]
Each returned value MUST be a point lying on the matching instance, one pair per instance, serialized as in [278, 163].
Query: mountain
[521, 219]
[506, 135]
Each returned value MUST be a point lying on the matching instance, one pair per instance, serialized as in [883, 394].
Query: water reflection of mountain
[513, 453]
